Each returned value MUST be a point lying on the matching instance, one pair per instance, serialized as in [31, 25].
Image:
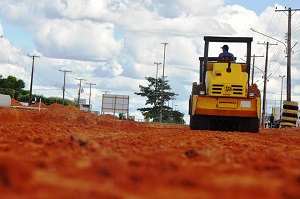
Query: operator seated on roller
[226, 56]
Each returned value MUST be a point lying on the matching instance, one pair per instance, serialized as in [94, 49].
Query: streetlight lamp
[280, 108]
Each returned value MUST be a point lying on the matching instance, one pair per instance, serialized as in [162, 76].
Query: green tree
[154, 100]
[178, 117]
[12, 86]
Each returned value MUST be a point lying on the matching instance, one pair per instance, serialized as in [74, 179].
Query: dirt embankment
[62, 152]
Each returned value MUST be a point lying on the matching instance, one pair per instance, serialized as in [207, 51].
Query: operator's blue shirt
[225, 53]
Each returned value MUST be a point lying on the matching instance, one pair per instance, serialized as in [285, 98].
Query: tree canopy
[153, 93]
[11, 86]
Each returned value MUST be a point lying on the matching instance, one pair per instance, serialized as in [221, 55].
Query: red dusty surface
[61, 152]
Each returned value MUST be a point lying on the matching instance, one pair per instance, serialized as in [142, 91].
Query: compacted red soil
[62, 152]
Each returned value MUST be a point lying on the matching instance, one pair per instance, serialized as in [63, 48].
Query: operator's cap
[225, 47]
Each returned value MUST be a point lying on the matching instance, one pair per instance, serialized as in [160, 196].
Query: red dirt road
[61, 152]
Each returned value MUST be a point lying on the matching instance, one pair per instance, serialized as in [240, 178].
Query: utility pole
[280, 108]
[163, 82]
[289, 49]
[64, 71]
[90, 94]
[265, 85]
[80, 80]
[254, 56]
[30, 90]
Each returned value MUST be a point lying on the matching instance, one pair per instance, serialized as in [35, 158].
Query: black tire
[224, 123]
[192, 122]
[249, 125]
[198, 122]
[290, 107]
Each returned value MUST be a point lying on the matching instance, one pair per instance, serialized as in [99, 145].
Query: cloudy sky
[114, 44]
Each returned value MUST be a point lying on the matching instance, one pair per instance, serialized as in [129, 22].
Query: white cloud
[80, 40]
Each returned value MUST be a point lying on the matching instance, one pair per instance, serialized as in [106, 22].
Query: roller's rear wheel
[249, 125]
[199, 122]
[214, 123]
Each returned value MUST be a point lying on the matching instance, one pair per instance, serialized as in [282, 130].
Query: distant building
[85, 107]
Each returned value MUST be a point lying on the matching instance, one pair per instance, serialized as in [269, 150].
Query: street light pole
[156, 73]
[163, 82]
[280, 108]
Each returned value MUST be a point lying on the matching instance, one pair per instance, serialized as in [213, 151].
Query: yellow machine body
[226, 93]
[220, 106]
[226, 102]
